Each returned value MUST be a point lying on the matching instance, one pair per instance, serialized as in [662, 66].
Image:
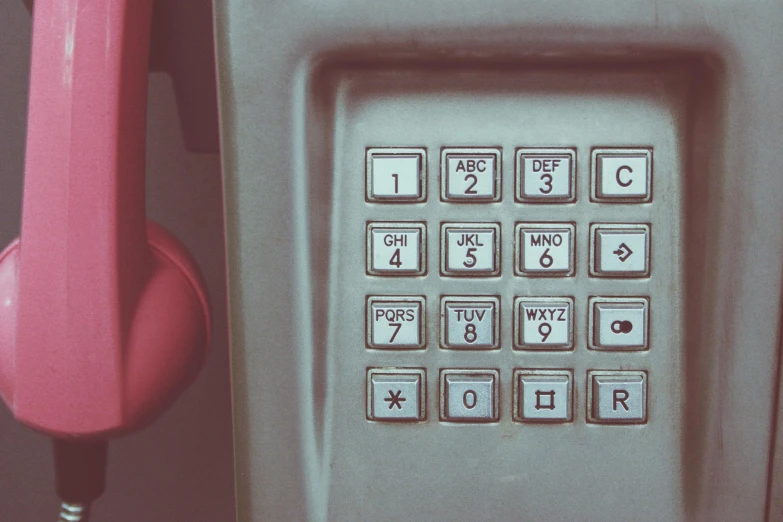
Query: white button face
[543, 395]
[545, 174]
[469, 323]
[544, 323]
[470, 249]
[468, 397]
[621, 250]
[470, 174]
[395, 395]
[395, 322]
[619, 324]
[623, 174]
[395, 248]
[395, 174]
[618, 397]
[545, 250]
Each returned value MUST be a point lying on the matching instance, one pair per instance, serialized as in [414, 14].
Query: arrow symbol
[623, 252]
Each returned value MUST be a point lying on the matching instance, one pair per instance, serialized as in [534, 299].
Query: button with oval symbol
[618, 323]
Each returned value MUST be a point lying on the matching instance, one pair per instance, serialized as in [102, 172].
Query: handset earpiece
[104, 318]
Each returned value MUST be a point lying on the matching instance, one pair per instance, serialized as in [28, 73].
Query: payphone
[507, 261]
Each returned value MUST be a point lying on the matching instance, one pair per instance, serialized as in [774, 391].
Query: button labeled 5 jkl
[470, 249]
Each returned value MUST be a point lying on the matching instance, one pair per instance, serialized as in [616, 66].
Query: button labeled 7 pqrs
[395, 323]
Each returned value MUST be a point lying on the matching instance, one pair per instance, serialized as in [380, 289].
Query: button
[395, 248]
[395, 394]
[618, 323]
[395, 322]
[543, 323]
[469, 323]
[622, 175]
[545, 175]
[470, 174]
[617, 397]
[542, 395]
[545, 249]
[620, 251]
[470, 249]
[396, 175]
[468, 395]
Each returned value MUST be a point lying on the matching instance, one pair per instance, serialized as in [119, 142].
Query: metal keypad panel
[503, 248]
[541, 250]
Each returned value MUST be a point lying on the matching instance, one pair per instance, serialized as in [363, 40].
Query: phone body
[319, 99]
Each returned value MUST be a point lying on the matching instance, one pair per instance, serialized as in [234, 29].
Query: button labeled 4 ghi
[396, 248]
[620, 250]
[543, 323]
[619, 323]
[544, 249]
[395, 322]
[470, 249]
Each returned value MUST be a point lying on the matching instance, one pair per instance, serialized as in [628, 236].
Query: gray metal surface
[306, 87]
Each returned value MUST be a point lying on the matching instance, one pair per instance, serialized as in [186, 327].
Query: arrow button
[620, 250]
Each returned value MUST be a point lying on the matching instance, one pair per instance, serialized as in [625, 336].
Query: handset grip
[104, 318]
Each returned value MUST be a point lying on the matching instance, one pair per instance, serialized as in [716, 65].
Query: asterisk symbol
[394, 399]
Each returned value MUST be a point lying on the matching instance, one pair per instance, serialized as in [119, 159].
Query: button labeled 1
[470, 249]
[470, 174]
[545, 175]
[469, 323]
[543, 323]
[620, 250]
[395, 248]
[545, 249]
[395, 175]
[618, 323]
[395, 322]
[621, 175]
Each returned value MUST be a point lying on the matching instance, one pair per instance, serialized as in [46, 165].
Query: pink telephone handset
[104, 318]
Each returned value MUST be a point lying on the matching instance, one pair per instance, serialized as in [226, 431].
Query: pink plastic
[104, 318]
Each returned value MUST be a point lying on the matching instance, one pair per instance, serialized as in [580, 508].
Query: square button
[395, 394]
[396, 175]
[396, 249]
[395, 323]
[470, 249]
[544, 249]
[622, 175]
[469, 323]
[545, 175]
[620, 250]
[542, 395]
[543, 323]
[616, 397]
[618, 323]
[470, 174]
[469, 395]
